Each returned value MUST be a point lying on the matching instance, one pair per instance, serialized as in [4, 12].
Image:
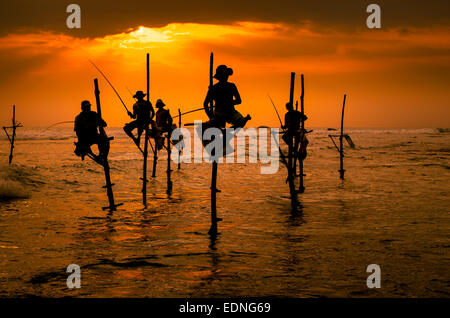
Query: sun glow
[57, 74]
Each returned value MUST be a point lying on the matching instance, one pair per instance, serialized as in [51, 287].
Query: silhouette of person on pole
[225, 96]
[163, 122]
[143, 113]
[292, 121]
[86, 127]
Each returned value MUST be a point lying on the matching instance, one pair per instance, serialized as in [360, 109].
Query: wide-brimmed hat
[85, 103]
[160, 103]
[223, 70]
[139, 94]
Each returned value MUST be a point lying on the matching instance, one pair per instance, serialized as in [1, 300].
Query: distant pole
[179, 150]
[148, 76]
[211, 66]
[155, 149]
[145, 153]
[169, 181]
[213, 228]
[108, 186]
[290, 150]
[302, 135]
[13, 135]
[341, 143]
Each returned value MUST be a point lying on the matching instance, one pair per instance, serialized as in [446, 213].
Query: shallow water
[392, 210]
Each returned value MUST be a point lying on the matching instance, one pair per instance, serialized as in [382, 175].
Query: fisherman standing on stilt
[292, 127]
[225, 96]
[86, 128]
[143, 113]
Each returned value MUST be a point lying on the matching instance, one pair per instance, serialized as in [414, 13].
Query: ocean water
[392, 210]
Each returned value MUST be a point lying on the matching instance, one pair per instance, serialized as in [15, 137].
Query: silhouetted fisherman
[292, 126]
[164, 123]
[164, 120]
[143, 112]
[86, 128]
[225, 96]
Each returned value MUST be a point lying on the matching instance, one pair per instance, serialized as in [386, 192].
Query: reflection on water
[391, 210]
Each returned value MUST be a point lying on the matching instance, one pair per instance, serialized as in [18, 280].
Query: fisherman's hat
[85, 103]
[160, 103]
[223, 70]
[139, 94]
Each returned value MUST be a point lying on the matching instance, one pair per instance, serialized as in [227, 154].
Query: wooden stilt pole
[213, 228]
[301, 188]
[12, 138]
[341, 143]
[179, 150]
[155, 158]
[294, 169]
[169, 180]
[145, 152]
[291, 172]
[104, 154]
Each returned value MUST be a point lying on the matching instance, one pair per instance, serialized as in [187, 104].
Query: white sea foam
[13, 182]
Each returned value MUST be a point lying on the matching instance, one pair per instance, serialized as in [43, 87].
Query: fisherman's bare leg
[128, 129]
[239, 121]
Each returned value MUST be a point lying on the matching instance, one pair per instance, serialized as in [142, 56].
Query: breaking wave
[15, 181]
[12, 190]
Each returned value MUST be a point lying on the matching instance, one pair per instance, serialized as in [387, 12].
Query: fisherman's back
[143, 109]
[223, 95]
[163, 119]
[293, 119]
[86, 124]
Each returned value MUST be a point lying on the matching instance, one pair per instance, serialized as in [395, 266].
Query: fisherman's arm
[208, 100]
[133, 114]
[169, 119]
[286, 119]
[76, 128]
[101, 122]
[152, 111]
[237, 98]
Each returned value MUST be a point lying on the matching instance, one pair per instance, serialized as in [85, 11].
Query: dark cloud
[101, 17]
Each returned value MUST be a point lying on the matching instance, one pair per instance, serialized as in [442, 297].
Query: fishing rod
[129, 91]
[104, 76]
[61, 122]
[273, 104]
[191, 111]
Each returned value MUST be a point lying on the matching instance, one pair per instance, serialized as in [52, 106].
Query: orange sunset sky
[396, 76]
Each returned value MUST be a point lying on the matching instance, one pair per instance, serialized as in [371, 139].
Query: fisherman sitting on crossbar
[86, 128]
[292, 121]
[225, 96]
[143, 113]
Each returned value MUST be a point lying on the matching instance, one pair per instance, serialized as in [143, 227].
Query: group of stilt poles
[291, 154]
[12, 137]
[103, 153]
[293, 144]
